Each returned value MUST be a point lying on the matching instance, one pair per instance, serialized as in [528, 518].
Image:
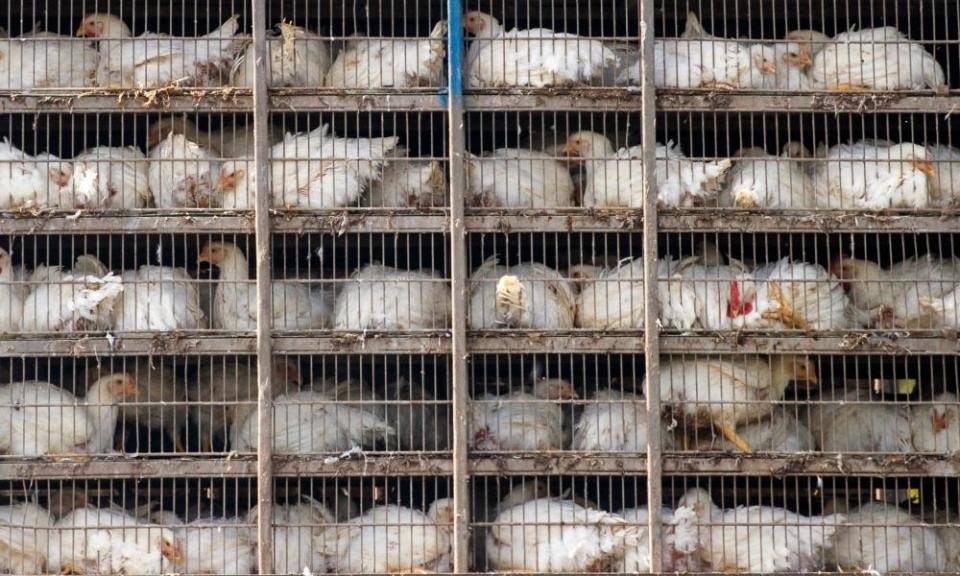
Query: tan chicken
[224, 389]
[726, 393]
[520, 420]
[42, 419]
[525, 296]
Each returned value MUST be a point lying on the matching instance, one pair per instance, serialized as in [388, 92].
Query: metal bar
[650, 294]
[458, 287]
[572, 464]
[261, 134]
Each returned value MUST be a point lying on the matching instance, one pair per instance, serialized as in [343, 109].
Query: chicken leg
[731, 435]
[71, 568]
[719, 85]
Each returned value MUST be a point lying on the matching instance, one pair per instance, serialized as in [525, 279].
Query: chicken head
[103, 26]
[215, 253]
[442, 511]
[172, 549]
[121, 385]
[800, 369]
[797, 56]
[700, 501]
[481, 24]
[554, 389]
[586, 144]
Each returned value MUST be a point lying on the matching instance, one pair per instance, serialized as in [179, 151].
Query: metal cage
[435, 286]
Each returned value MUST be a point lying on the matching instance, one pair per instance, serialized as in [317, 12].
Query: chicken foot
[785, 313]
[719, 85]
[71, 568]
[731, 435]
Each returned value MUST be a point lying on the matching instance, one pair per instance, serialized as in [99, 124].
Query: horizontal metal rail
[583, 100]
[341, 221]
[570, 464]
[339, 342]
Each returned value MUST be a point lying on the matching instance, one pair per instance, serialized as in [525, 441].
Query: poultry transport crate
[417, 286]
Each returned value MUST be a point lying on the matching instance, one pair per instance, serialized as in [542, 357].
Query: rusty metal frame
[261, 157]
[651, 300]
[458, 287]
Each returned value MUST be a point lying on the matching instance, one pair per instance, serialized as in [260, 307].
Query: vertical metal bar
[261, 136]
[458, 287]
[651, 335]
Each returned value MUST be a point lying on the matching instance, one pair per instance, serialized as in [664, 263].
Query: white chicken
[679, 540]
[106, 178]
[309, 422]
[758, 180]
[615, 421]
[391, 539]
[216, 546]
[296, 530]
[379, 297]
[158, 298]
[526, 296]
[82, 299]
[46, 60]
[781, 432]
[518, 177]
[711, 285]
[880, 59]
[615, 177]
[555, 535]
[875, 176]
[310, 170]
[235, 299]
[759, 539]
[613, 299]
[30, 181]
[700, 60]
[790, 295]
[182, 174]
[111, 543]
[728, 392]
[881, 538]
[851, 421]
[373, 63]
[11, 296]
[233, 140]
[25, 531]
[520, 420]
[154, 60]
[42, 419]
[158, 404]
[945, 184]
[226, 389]
[298, 58]
[793, 62]
[538, 57]
[408, 183]
[935, 425]
[912, 293]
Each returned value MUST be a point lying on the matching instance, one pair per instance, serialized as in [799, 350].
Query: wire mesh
[805, 267]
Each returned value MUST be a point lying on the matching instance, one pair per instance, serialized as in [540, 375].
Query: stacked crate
[471, 280]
